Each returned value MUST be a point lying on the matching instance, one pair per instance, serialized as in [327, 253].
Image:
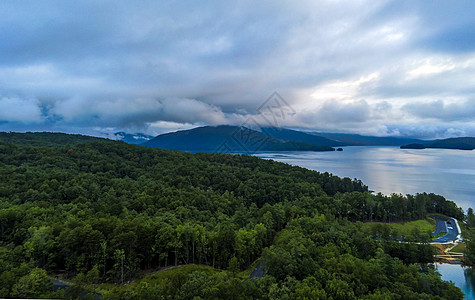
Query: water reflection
[450, 173]
[464, 278]
[391, 170]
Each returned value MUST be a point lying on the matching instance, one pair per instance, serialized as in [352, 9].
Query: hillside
[107, 211]
[46, 138]
[228, 139]
[294, 135]
[362, 140]
[461, 143]
[235, 139]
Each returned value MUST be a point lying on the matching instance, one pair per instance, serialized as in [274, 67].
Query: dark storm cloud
[100, 65]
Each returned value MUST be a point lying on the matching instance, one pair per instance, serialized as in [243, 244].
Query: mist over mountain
[294, 135]
[136, 139]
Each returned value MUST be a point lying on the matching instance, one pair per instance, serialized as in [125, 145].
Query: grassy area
[460, 248]
[439, 235]
[402, 229]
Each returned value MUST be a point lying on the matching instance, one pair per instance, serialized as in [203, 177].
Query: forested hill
[243, 140]
[104, 211]
[461, 143]
[46, 138]
[227, 138]
[294, 135]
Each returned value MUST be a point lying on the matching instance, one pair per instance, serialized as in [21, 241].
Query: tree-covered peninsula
[460, 143]
[175, 225]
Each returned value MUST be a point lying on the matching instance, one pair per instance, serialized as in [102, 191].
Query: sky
[400, 68]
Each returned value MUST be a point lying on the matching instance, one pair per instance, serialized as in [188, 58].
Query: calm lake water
[464, 278]
[450, 173]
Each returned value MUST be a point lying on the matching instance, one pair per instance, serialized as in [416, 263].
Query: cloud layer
[376, 67]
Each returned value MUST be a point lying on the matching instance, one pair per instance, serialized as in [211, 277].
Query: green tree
[469, 253]
[40, 244]
[470, 218]
[119, 256]
[34, 285]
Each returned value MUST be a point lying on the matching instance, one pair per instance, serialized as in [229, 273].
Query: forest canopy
[98, 211]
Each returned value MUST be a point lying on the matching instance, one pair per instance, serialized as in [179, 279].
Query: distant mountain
[294, 135]
[362, 140]
[228, 139]
[461, 143]
[136, 139]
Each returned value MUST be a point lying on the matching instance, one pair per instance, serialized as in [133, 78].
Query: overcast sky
[373, 67]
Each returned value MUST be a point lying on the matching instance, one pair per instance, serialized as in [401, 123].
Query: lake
[464, 278]
[450, 173]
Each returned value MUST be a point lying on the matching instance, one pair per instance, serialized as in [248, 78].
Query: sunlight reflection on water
[392, 170]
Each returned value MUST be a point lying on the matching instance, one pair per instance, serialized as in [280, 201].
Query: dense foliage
[105, 211]
[46, 138]
[469, 235]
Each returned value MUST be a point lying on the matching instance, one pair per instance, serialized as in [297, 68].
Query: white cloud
[124, 112]
[20, 110]
[343, 89]
[160, 127]
[191, 111]
[123, 65]
[431, 67]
